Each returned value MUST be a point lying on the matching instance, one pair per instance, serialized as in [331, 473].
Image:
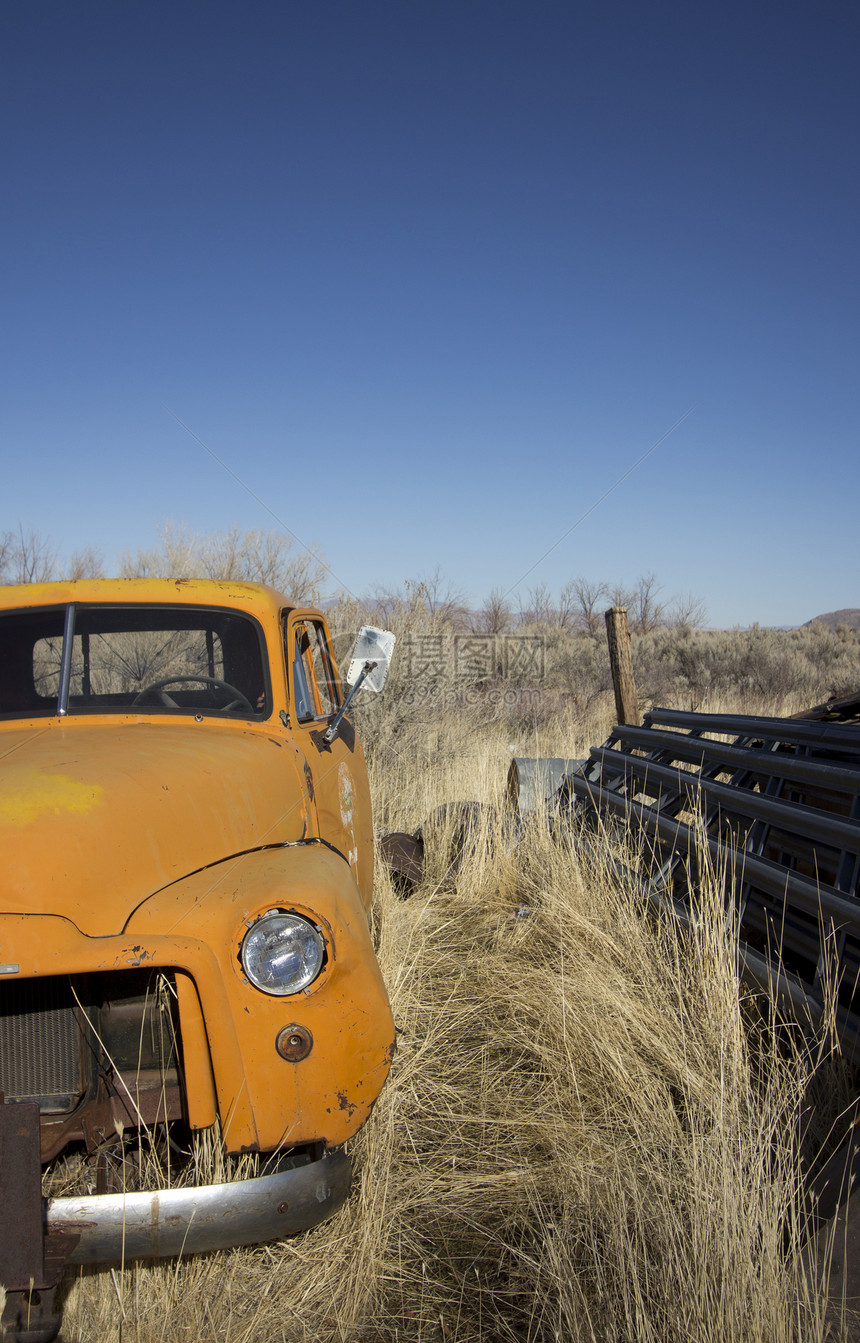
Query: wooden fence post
[618, 637]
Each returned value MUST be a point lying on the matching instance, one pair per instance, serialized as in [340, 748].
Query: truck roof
[256, 598]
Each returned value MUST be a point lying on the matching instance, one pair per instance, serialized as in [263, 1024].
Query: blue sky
[431, 275]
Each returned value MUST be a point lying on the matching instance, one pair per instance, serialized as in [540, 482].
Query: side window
[315, 686]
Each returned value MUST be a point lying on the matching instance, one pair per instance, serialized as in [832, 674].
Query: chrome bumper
[112, 1227]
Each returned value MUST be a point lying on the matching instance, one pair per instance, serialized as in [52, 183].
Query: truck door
[338, 775]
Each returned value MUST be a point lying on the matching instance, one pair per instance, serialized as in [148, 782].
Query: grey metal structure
[776, 803]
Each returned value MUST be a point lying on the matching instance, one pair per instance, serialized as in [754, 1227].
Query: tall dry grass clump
[580, 1141]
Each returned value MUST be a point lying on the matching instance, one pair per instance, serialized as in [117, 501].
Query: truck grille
[57, 1034]
[40, 1044]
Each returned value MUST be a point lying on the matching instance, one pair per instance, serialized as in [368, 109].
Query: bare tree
[646, 611]
[83, 563]
[443, 600]
[566, 613]
[28, 557]
[687, 612]
[586, 599]
[538, 608]
[494, 616]
[175, 556]
[618, 595]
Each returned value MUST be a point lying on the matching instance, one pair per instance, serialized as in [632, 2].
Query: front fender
[328, 1094]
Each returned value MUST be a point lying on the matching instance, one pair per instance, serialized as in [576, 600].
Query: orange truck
[187, 864]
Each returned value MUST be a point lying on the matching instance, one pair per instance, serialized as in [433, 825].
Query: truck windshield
[131, 659]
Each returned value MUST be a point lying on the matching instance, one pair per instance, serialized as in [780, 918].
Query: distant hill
[849, 616]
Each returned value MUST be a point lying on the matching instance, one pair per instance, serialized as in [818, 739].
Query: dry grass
[584, 1135]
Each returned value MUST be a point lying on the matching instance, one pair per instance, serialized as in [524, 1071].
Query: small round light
[282, 953]
[294, 1043]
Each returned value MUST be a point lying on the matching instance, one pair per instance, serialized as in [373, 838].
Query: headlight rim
[314, 922]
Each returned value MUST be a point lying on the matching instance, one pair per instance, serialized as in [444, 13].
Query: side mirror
[369, 665]
[372, 645]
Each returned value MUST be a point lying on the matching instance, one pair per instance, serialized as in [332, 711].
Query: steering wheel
[235, 698]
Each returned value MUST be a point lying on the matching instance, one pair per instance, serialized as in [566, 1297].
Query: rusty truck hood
[95, 817]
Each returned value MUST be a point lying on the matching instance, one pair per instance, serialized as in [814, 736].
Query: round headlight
[282, 953]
